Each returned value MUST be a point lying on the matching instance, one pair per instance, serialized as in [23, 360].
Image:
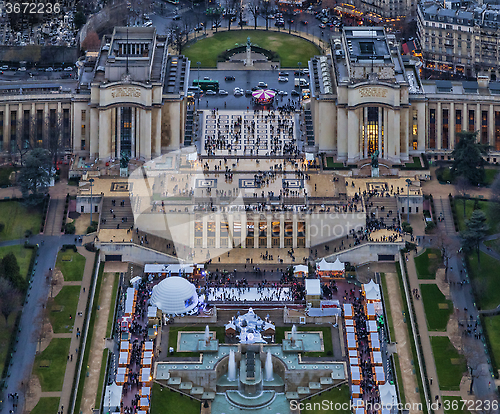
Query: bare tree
[444, 243]
[177, 37]
[254, 7]
[462, 186]
[265, 8]
[473, 355]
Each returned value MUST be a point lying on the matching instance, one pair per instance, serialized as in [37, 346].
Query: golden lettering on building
[125, 92]
[373, 93]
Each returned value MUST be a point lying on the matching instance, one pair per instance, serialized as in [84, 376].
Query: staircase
[54, 217]
[390, 204]
[188, 135]
[121, 212]
[309, 128]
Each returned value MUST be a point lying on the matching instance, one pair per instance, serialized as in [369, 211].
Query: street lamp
[91, 185]
[198, 91]
[299, 64]
[408, 182]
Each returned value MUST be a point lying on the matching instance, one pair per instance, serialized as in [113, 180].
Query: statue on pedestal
[124, 160]
[374, 163]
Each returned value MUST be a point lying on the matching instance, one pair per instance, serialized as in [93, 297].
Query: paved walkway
[401, 339]
[92, 384]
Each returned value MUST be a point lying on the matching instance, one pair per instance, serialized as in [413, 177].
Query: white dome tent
[174, 296]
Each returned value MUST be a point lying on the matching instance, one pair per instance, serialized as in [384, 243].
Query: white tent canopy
[300, 268]
[173, 268]
[174, 295]
[388, 396]
[325, 266]
[372, 291]
[112, 398]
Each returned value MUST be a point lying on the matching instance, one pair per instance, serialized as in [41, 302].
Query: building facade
[380, 103]
[461, 39]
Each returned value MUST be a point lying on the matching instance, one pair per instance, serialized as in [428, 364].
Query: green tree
[10, 270]
[79, 20]
[475, 232]
[35, 175]
[468, 158]
[10, 298]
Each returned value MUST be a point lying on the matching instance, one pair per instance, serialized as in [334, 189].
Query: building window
[484, 127]
[250, 234]
[471, 120]
[432, 128]
[39, 127]
[1, 131]
[66, 129]
[446, 129]
[82, 145]
[415, 129]
[458, 123]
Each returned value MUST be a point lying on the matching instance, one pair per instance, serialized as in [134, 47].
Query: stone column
[59, 119]
[451, 125]
[465, 118]
[364, 138]
[45, 124]
[439, 126]
[243, 229]
[308, 230]
[104, 133]
[217, 230]
[379, 131]
[118, 142]
[269, 231]
[282, 231]
[204, 242]
[491, 126]
[6, 128]
[133, 133]
[94, 132]
[146, 134]
[421, 125]
[256, 230]
[352, 135]
[385, 147]
[33, 123]
[294, 224]
[477, 126]
[342, 134]
[157, 132]
[405, 127]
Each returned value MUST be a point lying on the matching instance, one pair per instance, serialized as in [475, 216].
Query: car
[229, 78]
[238, 89]
[304, 22]
[210, 92]
[283, 74]
[49, 70]
[148, 24]
[216, 24]
[279, 23]
[248, 92]
[322, 26]
[206, 78]
[198, 28]
[177, 17]
[238, 93]
[4, 67]
[254, 88]
[262, 85]
[22, 69]
[295, 93]
[66, 75]
[299, 73]
[222, 92]
[68, 69]
[282, 79]
[283, 93]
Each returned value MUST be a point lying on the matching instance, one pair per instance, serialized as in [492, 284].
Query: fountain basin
[245, 401]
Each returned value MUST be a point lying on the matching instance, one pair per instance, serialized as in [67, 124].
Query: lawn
[491, 325]
[450, 365]
[165, 401]
[71, 265]
[437, 308]
[334, 396]
[493, 244]
[469, 208]
[172, 336]
[327, 338]
[450, 403]
[331, 165]
[387, 305]
[291, 49]
[50, 365]
[489, 175]
[4, 176]
[5, 337]
[17, 219]
[62, 307]
[427, 266]
[415, 164]
[485, 280]
[100, 386]
[23, 256]
[46, 405]
[109, 328]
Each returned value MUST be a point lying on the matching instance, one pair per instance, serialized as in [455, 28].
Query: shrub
[2, 227]
[429, 226]
[92, 227]
[28, 233]
[69, 228]
[406, 227]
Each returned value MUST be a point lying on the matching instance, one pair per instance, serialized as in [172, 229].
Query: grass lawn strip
[113, 302]
[485, 280]
[104, 365]
[399, 376]
[50, 365]
[333, 397]
[291, 49]
[71, 265]
[387, 306]
[427, 263]
[469, 208]
[17, 219]
[437, 308]
[46, 405]
[491, 325]
[450, 365]
[62, 307]
[455, 405]
[165, 401]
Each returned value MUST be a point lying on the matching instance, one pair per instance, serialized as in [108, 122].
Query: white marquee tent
[174, 296]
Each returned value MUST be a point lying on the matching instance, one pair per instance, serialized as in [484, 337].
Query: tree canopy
[476, 229]
[468, 158]
[35, 175]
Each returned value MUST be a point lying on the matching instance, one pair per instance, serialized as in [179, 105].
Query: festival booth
[163, 270]
[124, 346]
[350, 322]
[335, 270]
[351, 341]
[144, 403]
[379, 375]
[301, 271]
[125, 322]
[130, 302]
[348, 311]
[388, 398]
[313, 292]
[377, 358]
[124, 359]
[145, 376]
[356, 391]
[145, 392]
[354, 361]
[349, 329]
[371, 312]
[372, 326]
[374, 341]
[112, 398]
[353, 353]
[356, 376]
[148, 346]
[371, 291]
[263, 96]
[147, 362]
[121, 379]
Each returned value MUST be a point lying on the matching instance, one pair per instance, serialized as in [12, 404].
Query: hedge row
[269, 54]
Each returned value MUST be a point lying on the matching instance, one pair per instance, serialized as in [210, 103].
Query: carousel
[263, 96]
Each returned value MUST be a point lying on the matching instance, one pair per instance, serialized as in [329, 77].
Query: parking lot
[244, 79]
